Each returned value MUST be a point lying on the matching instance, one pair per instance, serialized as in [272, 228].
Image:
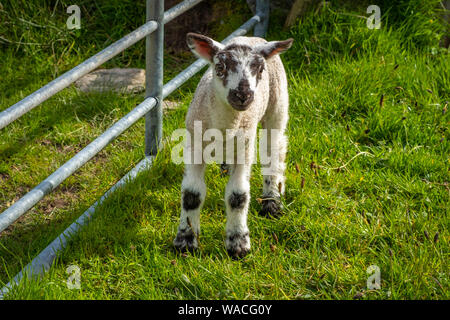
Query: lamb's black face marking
[240, 69]
[257, 67]
[226, 64]
[237, 200]
[191, 200]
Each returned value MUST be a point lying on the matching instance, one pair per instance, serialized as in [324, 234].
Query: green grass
[372, 103]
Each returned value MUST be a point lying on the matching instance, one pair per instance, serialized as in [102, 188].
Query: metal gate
[151, 108]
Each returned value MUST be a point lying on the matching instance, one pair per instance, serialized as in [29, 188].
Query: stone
[126, 80]
[118, 80]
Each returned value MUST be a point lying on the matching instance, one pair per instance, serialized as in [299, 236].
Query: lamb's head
[238, 68]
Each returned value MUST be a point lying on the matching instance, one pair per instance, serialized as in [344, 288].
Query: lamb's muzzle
[241, 97]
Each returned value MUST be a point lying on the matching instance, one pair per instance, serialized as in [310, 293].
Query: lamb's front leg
[237, 198]
[193, 192]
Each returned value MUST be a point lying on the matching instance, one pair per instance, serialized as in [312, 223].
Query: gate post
[154, 58]
[262, 10]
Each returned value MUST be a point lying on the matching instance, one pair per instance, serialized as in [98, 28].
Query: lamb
[244, 85]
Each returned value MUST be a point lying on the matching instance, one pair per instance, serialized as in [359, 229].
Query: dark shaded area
[195, 20]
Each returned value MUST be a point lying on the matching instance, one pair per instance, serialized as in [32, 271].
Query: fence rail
[150, 108]
[20, 108]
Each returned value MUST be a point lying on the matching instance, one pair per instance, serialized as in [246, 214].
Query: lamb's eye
[257, 67]
[220, 70]
[261, 68]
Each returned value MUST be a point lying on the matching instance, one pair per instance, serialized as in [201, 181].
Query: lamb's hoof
[224, 170]
[185, 241]
[271, 208]
[238, 245]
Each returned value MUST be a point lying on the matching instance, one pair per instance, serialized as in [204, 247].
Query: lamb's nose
[240, 99]
[244, 96]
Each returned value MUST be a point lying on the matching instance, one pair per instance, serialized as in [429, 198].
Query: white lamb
[245, 84]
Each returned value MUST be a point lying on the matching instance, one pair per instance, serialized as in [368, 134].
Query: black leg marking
[185, 240]
[238, 245]
[237, 200]
[191, 200]
[270, 208]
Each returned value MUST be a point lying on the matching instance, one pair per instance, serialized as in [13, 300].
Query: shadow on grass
[40, 225]
[145, 212]
[80, 109]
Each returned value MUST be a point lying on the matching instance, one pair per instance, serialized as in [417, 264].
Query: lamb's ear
[203, 47]
[272, 48]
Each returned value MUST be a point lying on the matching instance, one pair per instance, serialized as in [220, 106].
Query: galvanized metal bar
[20, 108]
[154, 56]
[50, 183]
[180, 8]
[45, 187]
[262, 10]
[31, 198]
[242, 30]
[42, 263]
[34, 99]
[44, 260]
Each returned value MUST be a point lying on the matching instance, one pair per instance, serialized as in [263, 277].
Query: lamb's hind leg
[273, 146]
[193, 190]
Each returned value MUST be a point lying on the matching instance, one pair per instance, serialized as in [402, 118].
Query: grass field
[367, 174]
